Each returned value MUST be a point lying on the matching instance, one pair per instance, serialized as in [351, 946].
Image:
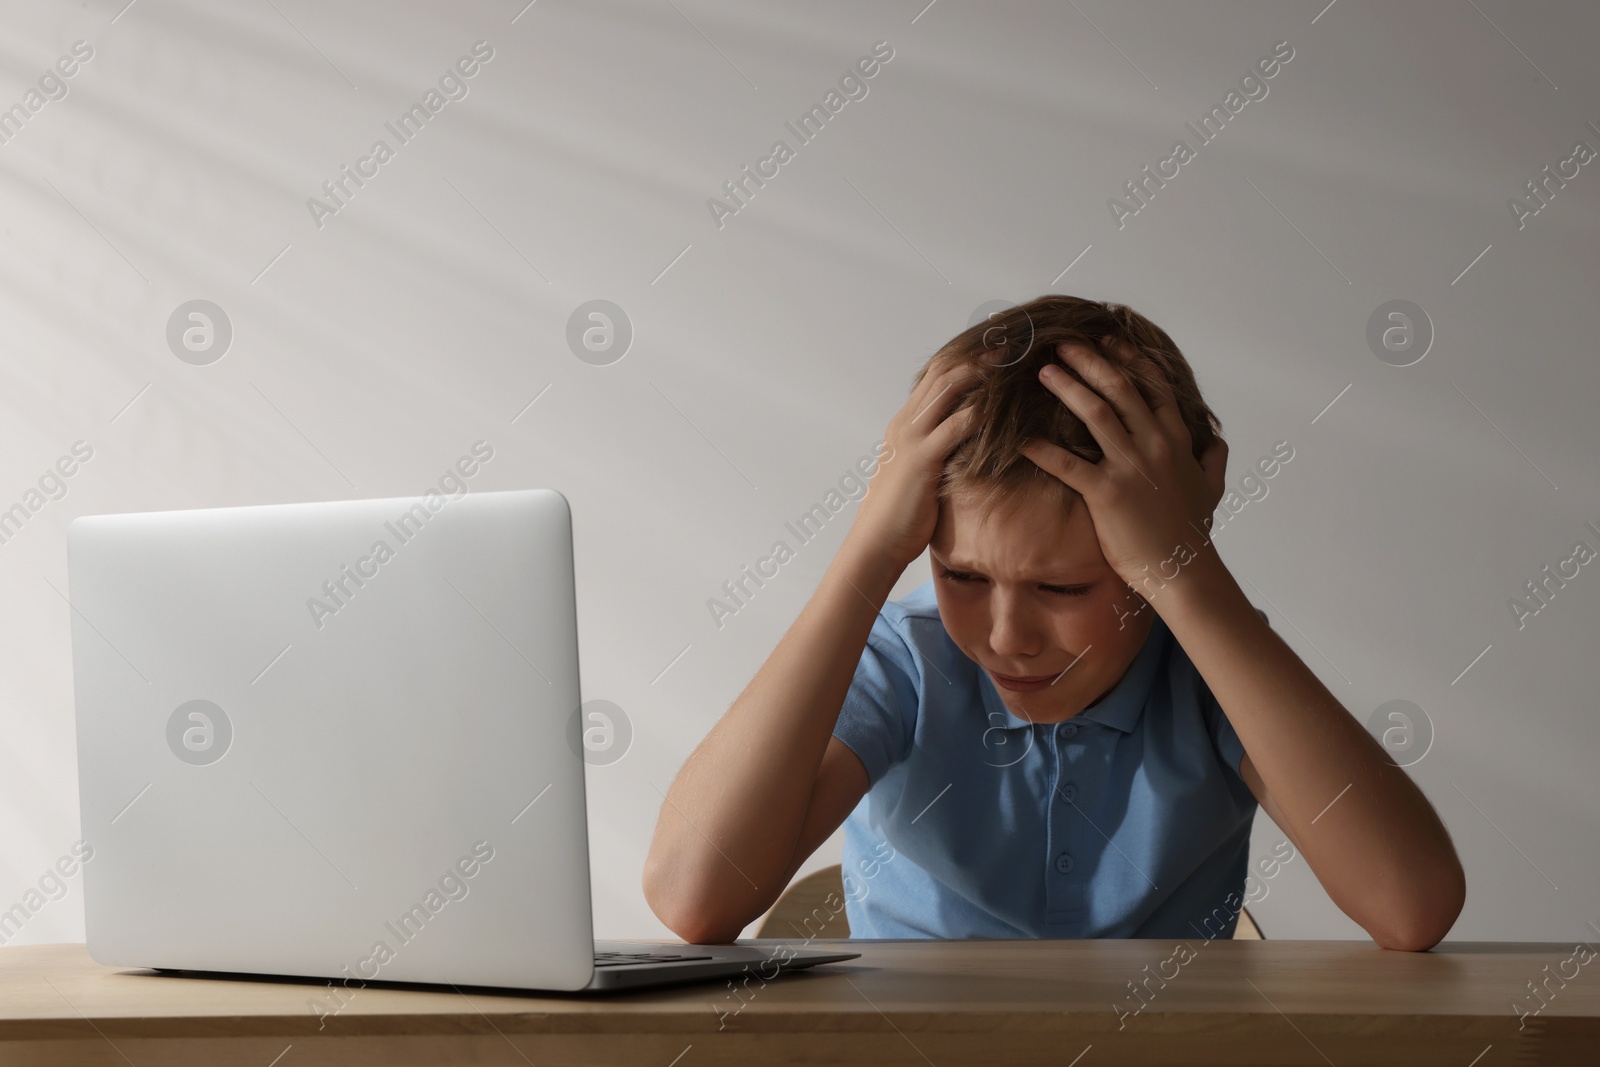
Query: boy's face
[1009, 612]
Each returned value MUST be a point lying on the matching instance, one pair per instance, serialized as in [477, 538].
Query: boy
[1067, 731]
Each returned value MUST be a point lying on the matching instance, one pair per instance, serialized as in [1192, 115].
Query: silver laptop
[343, 741]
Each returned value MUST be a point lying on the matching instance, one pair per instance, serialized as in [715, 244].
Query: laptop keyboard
[623, 959]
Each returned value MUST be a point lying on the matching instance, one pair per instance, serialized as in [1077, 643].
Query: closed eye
[1061, 590]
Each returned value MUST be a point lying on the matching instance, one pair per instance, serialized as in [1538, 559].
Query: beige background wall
[373, 344]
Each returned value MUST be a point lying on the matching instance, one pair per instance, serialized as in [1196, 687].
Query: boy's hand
[1148, 494]
[901, 509]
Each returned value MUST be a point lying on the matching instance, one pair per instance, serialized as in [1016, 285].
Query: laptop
[344, 741]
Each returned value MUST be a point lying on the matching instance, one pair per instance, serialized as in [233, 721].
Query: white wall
[769, 353]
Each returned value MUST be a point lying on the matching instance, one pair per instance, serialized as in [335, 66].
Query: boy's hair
[1014, 407]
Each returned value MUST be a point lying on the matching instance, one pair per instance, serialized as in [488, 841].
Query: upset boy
[1067, 731]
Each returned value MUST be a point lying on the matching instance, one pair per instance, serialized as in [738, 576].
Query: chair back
[810, 907]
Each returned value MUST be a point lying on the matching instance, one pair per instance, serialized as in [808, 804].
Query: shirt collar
[1119, 709]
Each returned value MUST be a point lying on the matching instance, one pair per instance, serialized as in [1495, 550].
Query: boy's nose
[1013, 637]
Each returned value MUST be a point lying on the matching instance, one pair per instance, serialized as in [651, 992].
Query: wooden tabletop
[903, 1002]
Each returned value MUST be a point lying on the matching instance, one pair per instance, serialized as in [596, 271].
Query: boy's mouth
[1025, 684]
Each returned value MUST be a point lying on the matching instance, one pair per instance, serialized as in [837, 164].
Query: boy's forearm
[733, 815]
[1369, 833]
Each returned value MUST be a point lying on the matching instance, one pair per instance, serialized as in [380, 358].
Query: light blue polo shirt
[1128, 820]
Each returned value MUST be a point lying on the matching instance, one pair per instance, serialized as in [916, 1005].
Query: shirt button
[1068, 729]
[1064, 863]
[1069, 793]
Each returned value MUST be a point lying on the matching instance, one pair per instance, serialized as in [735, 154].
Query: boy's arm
[764, 782]
[1371, 836]
[1374, 841]
[770, 783]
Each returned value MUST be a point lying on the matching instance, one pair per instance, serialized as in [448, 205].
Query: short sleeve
[1227, 743]
[879, 715]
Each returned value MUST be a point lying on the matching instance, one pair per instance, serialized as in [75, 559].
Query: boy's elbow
[695, 927]
[1423, 922]
[704, 931]
[1412, 936]
[668, 904]
[683, 913]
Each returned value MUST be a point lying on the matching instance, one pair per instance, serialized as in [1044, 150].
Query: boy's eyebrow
[964, 565]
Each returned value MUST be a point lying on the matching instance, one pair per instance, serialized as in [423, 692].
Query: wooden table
[903, 1002]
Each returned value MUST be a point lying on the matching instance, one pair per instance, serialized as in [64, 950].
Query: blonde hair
[1014, 407]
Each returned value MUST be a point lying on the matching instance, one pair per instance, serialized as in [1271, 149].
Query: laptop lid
[334, 739]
